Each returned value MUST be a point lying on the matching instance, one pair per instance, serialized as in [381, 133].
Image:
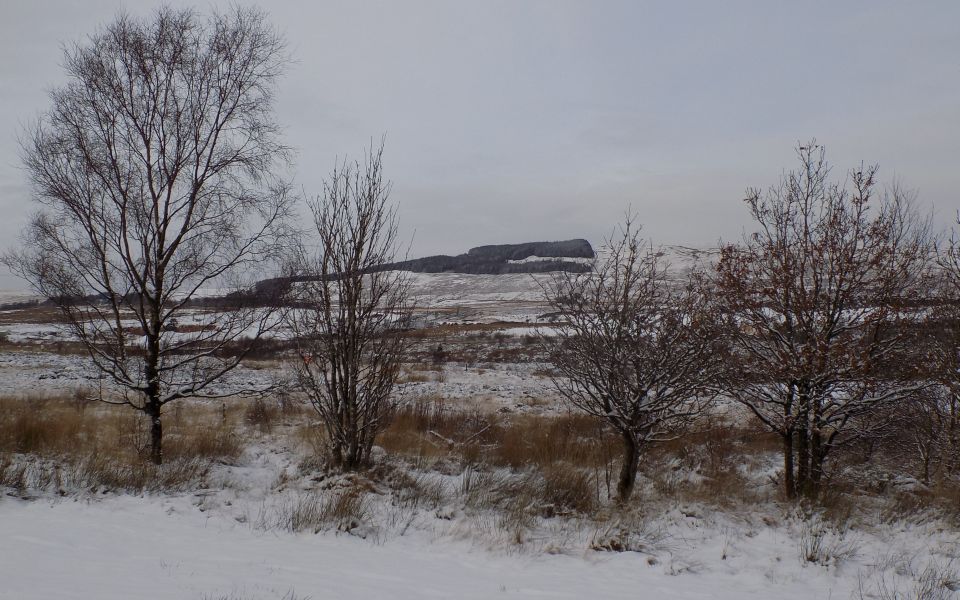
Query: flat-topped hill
[529, 257]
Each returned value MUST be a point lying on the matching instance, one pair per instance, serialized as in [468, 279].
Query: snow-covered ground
[16, 296]
[156, 547]
[492, 387]
[539, 259]
[224, 540]
[124, 548]
[48, 373]
[229, 537]
[131, 548]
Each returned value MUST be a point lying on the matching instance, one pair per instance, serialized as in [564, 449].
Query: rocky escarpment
[530, 257]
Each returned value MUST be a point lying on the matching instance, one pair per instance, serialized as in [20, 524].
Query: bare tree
[821, 305]
[350, 314]
[930, 425]
[154, 172]
[941, 413]
[632, 347]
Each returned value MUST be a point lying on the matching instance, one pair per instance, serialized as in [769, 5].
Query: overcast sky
[518, 121]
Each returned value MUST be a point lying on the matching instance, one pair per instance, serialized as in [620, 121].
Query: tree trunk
[818, 445]
[953, 428]
[154, 405]
[628, 472]
[789, 473]
[789, 481]
[925, 454]
[803, 445]
[156, 433]
[818, 454]
[367, 450]
[336, 455]
[352, 462]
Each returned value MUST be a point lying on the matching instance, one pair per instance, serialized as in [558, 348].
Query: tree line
[833, 321]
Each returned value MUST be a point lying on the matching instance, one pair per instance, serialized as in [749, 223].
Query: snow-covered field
[492, 387]
[162, 549]
[11, 296]
[151, 548]
[232, 535]
[226, 538]
[47, 373]
[192, 546]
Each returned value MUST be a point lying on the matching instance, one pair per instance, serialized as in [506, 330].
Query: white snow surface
[211, 544]
[150, 547]
[205, 545]
[162, 547]
[534, 259]
[48, 373]
[460, 289]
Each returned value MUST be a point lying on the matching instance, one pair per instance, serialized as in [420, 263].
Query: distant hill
[574, 256]
[530, 257]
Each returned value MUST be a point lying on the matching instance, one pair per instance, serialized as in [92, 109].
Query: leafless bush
[260, 415]
[567, 489]
[349, 313]
[418, 490]
[629, 532]
[633, 349]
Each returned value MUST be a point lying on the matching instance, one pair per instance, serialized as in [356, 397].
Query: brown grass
[65, 443]
[716, 455]
[343, 510]
[524, 466]
[408, 376]
[35, 313]
[560, 460]
[429, 428]
[571, 460]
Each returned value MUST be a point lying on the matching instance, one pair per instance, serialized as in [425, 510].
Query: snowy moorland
[485, 485]
[243, 509]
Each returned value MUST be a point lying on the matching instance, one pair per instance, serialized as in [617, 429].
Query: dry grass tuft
[261, 415]
[935, 581]
[344, 510]
[824, 545]
[428, 427]
[66, 443]
[570, 461]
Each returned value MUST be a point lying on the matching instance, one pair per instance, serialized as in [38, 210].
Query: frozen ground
[26, 372]
[168, 548]
[494, 387]
[222, 542]
[227, 540]
[14, 296]
[127, 548]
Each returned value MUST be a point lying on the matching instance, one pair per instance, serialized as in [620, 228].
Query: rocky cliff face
[575, 256]
[530, 257]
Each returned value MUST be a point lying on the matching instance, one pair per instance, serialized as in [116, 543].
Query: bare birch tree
[154, 173]
[632, 347]
[349, 314]
[821, 304]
